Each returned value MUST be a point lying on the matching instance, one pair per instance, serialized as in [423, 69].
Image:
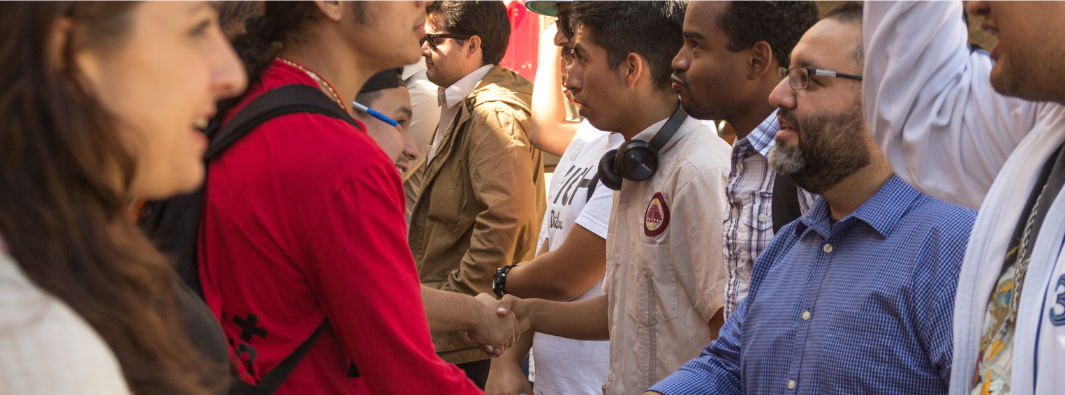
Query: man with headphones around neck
[664, 279]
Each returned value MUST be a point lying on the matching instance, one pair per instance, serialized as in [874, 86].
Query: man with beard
[725, 70]
[855, 296]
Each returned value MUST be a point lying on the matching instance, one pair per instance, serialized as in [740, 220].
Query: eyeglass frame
[431, 38]
[562, 23]
[783, 72]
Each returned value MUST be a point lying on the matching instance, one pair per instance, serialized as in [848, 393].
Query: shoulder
[946, 219]
[702, 156]
[35, 328]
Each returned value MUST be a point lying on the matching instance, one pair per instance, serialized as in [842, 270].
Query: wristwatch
[499, 281]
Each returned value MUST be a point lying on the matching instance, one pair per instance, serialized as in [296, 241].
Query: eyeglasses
[562, 21]
[431, 38]
[799, 77]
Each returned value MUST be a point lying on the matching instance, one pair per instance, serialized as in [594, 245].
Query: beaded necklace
[321, 81]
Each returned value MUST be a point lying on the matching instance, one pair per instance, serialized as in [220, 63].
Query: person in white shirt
[571, 258]
[664, 281]
[985, 131]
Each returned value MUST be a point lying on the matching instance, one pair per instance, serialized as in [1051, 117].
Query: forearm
[516, 354]
[583, 320]
[562, 274]
[550, 132]
[449, 311]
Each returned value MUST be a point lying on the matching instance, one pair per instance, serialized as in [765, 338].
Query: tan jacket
[482, 198]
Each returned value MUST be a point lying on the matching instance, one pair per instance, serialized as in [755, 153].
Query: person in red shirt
[303, 218]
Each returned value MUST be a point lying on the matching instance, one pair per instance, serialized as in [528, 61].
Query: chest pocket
[652, 283]
[759, 214]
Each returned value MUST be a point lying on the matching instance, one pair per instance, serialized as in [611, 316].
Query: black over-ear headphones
[637, 160]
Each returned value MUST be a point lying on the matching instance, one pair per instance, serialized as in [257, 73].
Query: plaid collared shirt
[749, 224]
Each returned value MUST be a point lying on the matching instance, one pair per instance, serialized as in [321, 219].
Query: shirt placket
[805, 314]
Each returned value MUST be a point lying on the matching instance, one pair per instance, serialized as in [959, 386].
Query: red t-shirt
[303, 221]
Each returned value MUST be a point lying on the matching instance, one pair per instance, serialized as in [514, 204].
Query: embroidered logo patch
[656, 219]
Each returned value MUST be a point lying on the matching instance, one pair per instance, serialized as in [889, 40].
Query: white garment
[425, 115]
[931, 108]
[565, 366]
[449, 98]
[45, 348]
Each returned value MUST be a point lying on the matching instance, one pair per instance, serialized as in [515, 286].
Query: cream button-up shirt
[665, 277]
[449, 99]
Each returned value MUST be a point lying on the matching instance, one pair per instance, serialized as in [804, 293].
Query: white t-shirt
[565, 366]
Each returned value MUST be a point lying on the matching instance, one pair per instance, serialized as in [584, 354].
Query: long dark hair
[62, 211]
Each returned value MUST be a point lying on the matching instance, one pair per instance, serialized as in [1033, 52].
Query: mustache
[681, 77]
[790, 117]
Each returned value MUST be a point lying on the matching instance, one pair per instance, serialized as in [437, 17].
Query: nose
[783, 97]
[410, 149]
[228, 77]
[573, 81]
[681, 61]
[426, 52]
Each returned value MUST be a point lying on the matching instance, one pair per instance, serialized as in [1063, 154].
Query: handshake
[499, 323]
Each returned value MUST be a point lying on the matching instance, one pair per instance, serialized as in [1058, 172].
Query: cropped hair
[850, 12]
[485, 19]
[779, 23]
[651, 29]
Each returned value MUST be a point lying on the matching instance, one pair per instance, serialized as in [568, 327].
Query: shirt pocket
[760, 214]
[652, 282]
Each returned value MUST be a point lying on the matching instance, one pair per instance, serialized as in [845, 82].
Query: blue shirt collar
[763, 137]
[881, 212]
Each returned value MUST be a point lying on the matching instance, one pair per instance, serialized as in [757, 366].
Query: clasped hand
[501, 323]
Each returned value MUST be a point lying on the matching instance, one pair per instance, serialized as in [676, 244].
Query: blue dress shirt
[864, 306]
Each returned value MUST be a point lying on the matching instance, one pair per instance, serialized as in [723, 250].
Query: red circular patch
[656, 219]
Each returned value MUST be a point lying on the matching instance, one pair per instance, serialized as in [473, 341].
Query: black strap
[668, 130]
[272, 381]
[785, 202]
[288, 99]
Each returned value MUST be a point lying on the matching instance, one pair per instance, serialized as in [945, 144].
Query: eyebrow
[406, 111]
[691, 34]
[580, 48]
[805, 63]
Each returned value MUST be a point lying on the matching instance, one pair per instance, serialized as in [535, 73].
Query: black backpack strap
[272, 381]
[785, 202]
[288, 99]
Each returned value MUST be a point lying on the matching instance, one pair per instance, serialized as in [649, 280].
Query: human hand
[506, 378]
[498, 328]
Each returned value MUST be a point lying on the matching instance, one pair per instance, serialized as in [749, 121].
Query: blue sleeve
[717, 369]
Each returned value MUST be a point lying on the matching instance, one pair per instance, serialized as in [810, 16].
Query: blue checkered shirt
[864, 306]
[748, 226]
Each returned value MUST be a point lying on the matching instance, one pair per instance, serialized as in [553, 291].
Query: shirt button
[739, 167]
[761, 217]
[805, 315]
[827, 248]
[735, 212]
[791, 384]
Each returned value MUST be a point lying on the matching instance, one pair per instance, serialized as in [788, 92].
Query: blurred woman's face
[161, 82]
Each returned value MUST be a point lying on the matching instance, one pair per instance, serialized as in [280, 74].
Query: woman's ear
[330, 9]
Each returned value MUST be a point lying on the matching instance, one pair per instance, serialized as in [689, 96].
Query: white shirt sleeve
[929, 101]
[595, 216]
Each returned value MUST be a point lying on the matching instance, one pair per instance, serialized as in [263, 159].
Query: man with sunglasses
[855, 296]
[483, 193]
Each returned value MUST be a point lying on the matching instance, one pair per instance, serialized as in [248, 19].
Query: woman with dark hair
[99, 104]
[303, 222]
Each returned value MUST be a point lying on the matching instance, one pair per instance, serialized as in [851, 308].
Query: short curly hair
[779, 23]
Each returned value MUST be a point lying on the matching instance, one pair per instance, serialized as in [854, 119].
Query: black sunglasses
[562, 21]
[431, 38]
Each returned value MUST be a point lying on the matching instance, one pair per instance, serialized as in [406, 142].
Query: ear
[761, 60]
[331, 10]
[472, 45]
[632, 68]
[58, 40]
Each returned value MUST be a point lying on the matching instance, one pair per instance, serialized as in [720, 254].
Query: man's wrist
[499, 281]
